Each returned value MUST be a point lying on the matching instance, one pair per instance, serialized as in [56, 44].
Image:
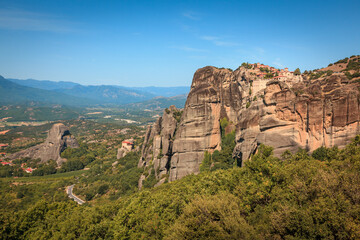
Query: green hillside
[159, 103]
[295, 197]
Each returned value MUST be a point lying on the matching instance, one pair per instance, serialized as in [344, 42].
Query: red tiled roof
[127, 142]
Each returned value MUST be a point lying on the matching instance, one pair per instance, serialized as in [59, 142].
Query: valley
[179, 120]
[246, 152]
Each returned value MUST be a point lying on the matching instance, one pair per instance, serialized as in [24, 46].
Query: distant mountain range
[74, 94]
[164, 91]
[44, 84]
[11, 93]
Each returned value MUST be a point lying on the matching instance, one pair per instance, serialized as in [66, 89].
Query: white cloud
[209, 38]
[191, 15]
[218, 41]
[259, 50]
[278, 63]
[31, 21]
[189, 49]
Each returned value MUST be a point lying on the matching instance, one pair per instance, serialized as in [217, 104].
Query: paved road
[71, 195]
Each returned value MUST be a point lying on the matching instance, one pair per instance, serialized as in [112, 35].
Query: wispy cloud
[15, 19]
[189, 49]
[218, 41]
[198, 57]
[191, 15]
[259, 50]
[278, 63]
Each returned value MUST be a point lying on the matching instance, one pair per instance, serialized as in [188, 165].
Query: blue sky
[162, 43]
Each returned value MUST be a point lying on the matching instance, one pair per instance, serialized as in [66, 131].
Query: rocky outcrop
[314, 114]
[59, 138]
[285, 112]
[158, 143]
[126, 147]
[215, 94]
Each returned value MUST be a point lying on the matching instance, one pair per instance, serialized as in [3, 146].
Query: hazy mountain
[44, 84]
[11, 92]
[165, 91]
[105, 93]
[108, 94]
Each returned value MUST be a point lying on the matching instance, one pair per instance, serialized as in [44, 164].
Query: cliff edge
[263, 105]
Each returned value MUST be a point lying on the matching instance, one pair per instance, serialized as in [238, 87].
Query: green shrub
[269, 75]
[223, 124]
[297, 71]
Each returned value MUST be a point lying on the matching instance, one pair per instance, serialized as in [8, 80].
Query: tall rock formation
[276, 108]
[58, 139]
[158, 143]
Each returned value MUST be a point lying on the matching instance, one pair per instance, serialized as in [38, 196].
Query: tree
[297, 71]
[206, 163]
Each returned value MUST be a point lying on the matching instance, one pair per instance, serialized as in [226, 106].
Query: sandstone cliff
[286, 111]
[59, 138]
[157, 149]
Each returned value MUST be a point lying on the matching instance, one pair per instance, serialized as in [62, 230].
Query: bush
[206, 163]
[177, 115]
[269, 75]
[223, 124]
[103, 189]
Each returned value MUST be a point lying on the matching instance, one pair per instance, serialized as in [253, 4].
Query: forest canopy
[296, 196]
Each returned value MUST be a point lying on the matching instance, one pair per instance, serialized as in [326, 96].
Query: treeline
[297, 196]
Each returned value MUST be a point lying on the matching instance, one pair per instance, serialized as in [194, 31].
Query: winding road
[69, 190]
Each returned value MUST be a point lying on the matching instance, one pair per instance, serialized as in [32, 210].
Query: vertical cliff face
[286, 112]
[158, 143]
[326, 113]
[215, 94]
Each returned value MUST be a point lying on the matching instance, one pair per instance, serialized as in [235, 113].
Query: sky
[162, 43]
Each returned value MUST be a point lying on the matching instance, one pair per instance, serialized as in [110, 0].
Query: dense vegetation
[221, 159]
[117, 179]
[298, 196]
